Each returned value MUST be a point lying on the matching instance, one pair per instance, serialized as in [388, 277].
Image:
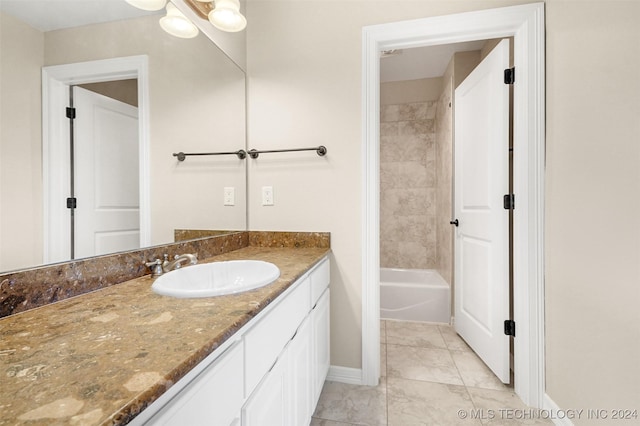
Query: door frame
[526, 24]
[55, 143]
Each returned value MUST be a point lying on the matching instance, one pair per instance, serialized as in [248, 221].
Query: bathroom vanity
[270, 372]
[123, 354]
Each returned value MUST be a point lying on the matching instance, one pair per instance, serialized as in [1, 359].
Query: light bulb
[226, 16]
[147, 4]
[176, 24]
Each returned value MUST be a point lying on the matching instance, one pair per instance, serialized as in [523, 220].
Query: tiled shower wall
[444, 178]
[408, 186]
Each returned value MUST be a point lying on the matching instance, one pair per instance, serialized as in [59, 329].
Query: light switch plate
[229, 196]
[267, 195]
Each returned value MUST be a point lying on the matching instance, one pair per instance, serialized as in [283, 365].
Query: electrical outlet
[229, 196]
[267, 195]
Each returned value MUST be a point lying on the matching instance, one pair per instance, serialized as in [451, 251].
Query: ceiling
[422, 62]
[48, 15]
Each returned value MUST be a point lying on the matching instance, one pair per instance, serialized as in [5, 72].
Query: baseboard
[554, 410]
[352, 376]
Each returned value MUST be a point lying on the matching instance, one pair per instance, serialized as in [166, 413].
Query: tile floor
[429, 377]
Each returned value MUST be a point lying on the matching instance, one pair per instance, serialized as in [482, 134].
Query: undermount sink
[216, 279]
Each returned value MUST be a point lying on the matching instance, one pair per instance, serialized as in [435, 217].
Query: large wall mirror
[123, 169]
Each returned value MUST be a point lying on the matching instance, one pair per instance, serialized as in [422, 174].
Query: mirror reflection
[125, 177]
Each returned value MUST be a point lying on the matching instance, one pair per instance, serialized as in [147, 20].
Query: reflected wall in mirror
[196, 104]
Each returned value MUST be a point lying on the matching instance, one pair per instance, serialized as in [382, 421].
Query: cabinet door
[213, 398]
[267, 405]
[299, 376]
[320, 347]
[266, 339]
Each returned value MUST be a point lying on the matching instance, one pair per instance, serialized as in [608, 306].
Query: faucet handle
[156, 267]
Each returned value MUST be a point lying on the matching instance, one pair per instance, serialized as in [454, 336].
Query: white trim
[371, 208]
[526, 24]
[553, 409]
[352, 376]
[55, 147]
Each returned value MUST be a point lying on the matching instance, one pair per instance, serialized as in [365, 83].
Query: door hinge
[510, 328]
[510, 75]
[509, 201]
[71, 113]
[72, 203]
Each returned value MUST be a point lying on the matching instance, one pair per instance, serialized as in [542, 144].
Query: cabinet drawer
[319, 280]
[214, 397]
[265, 341]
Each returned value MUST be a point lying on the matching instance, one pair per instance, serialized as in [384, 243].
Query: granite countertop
[102, 357]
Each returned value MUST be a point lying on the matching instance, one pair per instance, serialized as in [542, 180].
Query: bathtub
[414, 295]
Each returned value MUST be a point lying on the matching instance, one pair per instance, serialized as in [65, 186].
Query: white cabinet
[320, 344]
[303, 363]
[213, 398]
[299, 376]
[267, 406]
[266, 339]
[284, 397]
[271, 376]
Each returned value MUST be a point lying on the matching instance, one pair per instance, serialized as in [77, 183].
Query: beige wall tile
[407, 185]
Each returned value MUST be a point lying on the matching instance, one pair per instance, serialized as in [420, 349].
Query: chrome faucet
[177, 261]
[158, 267]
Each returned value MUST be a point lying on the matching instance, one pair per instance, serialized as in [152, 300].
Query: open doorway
[418, 92]
[526, 24]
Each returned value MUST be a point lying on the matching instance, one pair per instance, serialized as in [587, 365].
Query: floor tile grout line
[466, 387]
[443, 339]
[420, 347]
[429, 381]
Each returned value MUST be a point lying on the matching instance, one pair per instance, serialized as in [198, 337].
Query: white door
[106, 166]
[482, 237]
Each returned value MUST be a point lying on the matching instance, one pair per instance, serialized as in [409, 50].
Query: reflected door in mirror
[107, 217]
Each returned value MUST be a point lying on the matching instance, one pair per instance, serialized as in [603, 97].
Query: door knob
[455, 222]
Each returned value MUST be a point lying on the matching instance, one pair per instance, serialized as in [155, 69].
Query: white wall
[593, 204]
[20, 144]
[398, 92]
[304, 73]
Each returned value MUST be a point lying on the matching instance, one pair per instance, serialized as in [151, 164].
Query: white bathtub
[414, 295]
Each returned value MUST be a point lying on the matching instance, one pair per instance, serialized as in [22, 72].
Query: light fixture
[176, 24]
[223, 14]
[147, 4]
[226, 16]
